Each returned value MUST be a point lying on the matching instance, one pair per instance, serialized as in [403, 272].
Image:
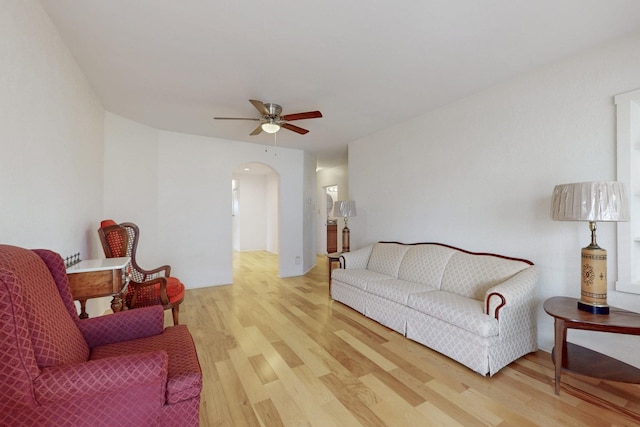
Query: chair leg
[175, 311]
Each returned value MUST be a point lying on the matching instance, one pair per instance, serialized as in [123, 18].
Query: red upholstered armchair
[147, 287]
[121, 369]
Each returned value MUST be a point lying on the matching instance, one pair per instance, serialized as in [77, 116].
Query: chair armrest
[154, 273]
[357, 259]
[518, 289]
[122, 326]
[109, 376]
[162, 281]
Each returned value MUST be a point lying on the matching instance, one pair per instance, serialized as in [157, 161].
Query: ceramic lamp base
[593, 292]
[346, 234]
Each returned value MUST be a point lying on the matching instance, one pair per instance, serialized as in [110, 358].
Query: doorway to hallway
[254, 208]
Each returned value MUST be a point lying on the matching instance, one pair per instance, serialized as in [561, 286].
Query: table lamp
[345, 209]
[591, 201]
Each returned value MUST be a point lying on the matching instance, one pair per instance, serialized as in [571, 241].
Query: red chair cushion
[175, 289]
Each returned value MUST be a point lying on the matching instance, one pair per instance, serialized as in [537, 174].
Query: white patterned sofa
[478, 309]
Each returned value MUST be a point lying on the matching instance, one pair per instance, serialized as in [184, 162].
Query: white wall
[273, 226]
[51, 138]
[479, 173]
[256, 222]
[187, 222]
[262, 217]
[131, 180]
[252, 219]
[309, 211]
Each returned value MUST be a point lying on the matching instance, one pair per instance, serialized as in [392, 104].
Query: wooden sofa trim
[463, 250]
[502, 304]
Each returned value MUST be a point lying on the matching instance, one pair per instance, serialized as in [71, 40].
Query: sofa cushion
[184, 377]
[386, 258]
[471, 275]
[455, 309]
[425, 264]
[397, 290]
[55, 338]
[358, 278]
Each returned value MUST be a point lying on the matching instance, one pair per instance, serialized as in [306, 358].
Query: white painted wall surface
[51, 138]
[252, 218]
[479, 173]
[273, 226]
[131, 180]
[309, 211]
[255, 225]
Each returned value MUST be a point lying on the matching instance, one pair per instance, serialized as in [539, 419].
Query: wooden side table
[332, 237]
[333, 257]
[574, 358]
[95, 278]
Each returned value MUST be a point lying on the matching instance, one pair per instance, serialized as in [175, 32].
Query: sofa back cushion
[54, 336]
[471, 275]
[386, 258]
[425, 264]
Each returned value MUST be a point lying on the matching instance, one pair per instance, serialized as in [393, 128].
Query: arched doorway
[255, 191]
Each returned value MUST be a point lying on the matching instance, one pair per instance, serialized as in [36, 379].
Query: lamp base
[593, 289]
[346, 234]
[593, 309]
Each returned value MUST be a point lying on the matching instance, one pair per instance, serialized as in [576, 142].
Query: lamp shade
[345, 208]
[590, 201]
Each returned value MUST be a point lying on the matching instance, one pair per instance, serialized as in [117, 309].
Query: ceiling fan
[272, 120]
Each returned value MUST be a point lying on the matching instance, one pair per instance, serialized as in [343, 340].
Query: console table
[95, 278]
[574, 358]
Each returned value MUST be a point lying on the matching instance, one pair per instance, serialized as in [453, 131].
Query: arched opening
[255, 189]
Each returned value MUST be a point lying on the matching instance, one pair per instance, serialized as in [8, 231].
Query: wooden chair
[147, 287]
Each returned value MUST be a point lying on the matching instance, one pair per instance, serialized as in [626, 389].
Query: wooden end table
[574, 358]
[95, 278]
[333, 257]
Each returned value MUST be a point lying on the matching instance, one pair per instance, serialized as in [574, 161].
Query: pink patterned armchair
[122, 369]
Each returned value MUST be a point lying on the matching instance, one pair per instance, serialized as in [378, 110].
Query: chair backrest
[119, 240]
[37, 328]
[115, 240]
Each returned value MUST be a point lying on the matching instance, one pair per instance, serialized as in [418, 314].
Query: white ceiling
[366, 65]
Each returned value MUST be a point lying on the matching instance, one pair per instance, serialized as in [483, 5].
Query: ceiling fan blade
[260, 107]
[257, 130]
[302, 116]
[235, 118]
[294, 128]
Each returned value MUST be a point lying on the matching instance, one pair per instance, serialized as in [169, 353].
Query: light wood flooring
[280, 352]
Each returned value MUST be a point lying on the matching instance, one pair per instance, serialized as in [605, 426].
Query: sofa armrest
[122, 326]
[111, 376]
[517, 290]
[357, 259]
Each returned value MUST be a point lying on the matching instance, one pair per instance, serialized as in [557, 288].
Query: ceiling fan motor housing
[274, 109]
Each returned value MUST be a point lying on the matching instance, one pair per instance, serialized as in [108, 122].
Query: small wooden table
[574, 358]
[95, 278]
[333, 257]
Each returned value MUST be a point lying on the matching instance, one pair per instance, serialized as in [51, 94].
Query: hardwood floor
[280, 352]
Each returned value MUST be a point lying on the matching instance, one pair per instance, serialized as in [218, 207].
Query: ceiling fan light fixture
[270, 126]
